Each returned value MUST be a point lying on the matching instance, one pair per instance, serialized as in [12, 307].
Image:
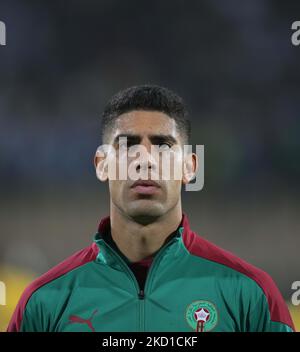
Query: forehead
[145, 123]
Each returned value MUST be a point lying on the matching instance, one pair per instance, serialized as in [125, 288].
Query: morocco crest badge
[202, 316]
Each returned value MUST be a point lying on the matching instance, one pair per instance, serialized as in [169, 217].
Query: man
[147, 270]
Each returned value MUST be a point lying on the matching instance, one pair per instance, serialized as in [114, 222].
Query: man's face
[136, 198]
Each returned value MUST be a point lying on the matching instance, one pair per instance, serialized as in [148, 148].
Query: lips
[145, 187]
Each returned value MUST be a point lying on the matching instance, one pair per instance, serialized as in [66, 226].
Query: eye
[128, 144]
[131, 144]
[165, 146]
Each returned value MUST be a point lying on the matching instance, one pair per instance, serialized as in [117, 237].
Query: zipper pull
[141, 294]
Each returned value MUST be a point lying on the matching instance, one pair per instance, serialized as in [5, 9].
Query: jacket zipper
[141, 293]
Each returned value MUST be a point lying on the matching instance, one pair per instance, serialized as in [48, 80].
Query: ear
[101, 165]
[190, 167]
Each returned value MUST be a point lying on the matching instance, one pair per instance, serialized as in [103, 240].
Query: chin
[146, 213]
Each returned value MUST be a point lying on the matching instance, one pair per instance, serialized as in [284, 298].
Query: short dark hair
[147, 97]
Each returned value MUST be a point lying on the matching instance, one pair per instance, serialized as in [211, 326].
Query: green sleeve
[260, 318]
[33, 317]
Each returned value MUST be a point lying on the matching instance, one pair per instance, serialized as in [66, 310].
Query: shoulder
[73, 262]
[200, 247]
[227, 261]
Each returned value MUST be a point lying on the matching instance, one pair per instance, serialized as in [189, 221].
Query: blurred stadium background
[235, 66]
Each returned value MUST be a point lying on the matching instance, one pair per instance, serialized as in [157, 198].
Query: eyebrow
[158, 138]
[129, 136]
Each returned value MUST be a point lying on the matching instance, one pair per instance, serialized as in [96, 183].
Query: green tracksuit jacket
[192, 285]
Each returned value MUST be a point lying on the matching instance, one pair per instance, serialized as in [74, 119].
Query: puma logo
[75, 319]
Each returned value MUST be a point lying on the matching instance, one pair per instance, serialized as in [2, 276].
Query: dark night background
[234, 64]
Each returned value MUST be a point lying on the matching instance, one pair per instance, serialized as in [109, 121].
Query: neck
[138, 241]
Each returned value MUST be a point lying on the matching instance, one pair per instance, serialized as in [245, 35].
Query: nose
[143, 165]
[145, 161]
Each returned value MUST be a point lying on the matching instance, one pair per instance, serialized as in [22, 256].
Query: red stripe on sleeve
[199, 246]
[77, 259]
